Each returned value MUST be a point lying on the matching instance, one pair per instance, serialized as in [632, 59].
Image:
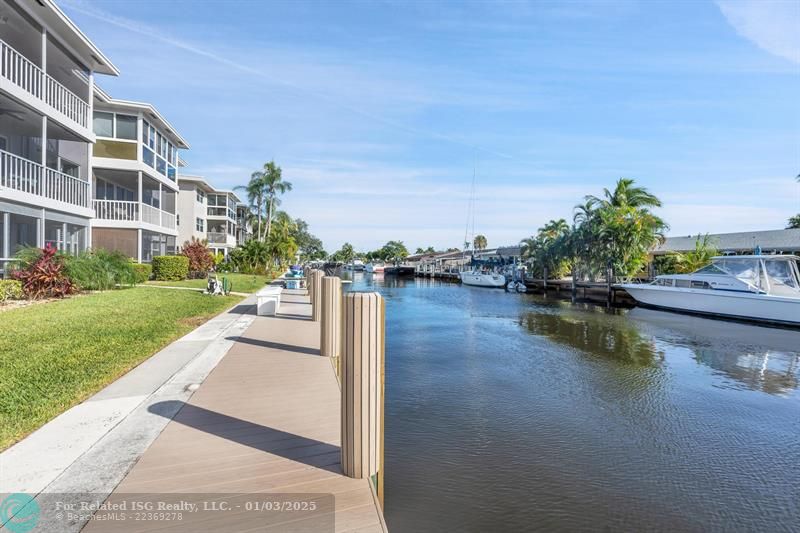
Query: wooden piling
[315, 292]
[331, 325]
[362, 384]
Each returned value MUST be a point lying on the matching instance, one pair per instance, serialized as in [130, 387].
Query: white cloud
[773, 25]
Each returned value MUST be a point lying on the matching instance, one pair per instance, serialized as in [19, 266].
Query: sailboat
[477, 277]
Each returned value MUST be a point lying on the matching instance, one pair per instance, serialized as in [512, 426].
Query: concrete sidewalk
[90, 447]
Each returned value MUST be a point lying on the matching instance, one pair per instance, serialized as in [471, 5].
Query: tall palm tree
[255, 194]
[273, 186]
[480, 242]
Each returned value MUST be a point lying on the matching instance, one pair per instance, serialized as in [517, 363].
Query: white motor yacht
[483, 279]
[752, 287]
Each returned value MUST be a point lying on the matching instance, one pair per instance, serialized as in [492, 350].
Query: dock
[263, 427]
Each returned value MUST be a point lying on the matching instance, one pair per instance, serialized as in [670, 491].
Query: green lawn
[54, 355]
[241, 282]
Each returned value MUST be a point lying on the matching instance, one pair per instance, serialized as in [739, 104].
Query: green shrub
[10, 289]
[100, 270]
[170, 267]
[142, 272]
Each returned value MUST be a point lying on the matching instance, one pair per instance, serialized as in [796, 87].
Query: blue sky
[378, 110]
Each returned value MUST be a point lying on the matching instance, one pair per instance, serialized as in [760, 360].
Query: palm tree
[273, 186]
[479, 242]
[625, 194]
[255, 194]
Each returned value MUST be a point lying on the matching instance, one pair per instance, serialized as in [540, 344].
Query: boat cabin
[777, 275]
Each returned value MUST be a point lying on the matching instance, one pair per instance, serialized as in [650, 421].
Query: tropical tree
[256, 198]
[794, 222]
[309, 246]
[273, 186]
[615, 231]
[704, 250]
[549, 251]
[428, 250]
[479, 242]
[394, 251]
[345, 254]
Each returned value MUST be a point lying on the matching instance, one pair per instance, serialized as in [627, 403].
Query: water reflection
[752, 357]
[596, 334]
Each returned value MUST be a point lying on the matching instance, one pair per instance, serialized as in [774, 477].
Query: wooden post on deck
[362, 386]
[315, 292]
[331, 327]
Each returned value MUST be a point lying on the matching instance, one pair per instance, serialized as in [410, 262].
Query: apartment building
[206, 212]
[135, 179]
[47, 69]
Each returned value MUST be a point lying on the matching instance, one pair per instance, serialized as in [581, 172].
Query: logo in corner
[19, 513]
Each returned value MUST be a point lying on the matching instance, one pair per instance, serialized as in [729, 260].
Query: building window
[200, 224]
[149, 157]
[177, 219]
[126, 127]
[103, 124]
[201, 196]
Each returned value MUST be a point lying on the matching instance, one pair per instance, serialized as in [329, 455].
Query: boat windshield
[744, 269]
[777, 276]
[782, 276]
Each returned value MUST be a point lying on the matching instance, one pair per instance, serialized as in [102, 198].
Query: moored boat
[373, 268]
[400, 270]
[477, 278]
[762, 288]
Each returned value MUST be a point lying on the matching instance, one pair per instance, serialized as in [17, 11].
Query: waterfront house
[779, 241]
[135, 178]
[209, 213]
[47, 71]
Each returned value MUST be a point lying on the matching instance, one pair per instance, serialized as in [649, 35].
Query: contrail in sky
[136, 27]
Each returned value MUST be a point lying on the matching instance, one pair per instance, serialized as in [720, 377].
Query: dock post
[307, 276]
[330, 330]
[315, 291]
[362, 382]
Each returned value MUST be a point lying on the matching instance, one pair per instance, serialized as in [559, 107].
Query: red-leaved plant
[45, 277]
[200, 258]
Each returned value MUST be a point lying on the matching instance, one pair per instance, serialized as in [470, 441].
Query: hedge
[142, 272]
[10, 289]
[170, 267]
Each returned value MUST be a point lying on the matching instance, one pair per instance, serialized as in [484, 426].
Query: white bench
[268, 300]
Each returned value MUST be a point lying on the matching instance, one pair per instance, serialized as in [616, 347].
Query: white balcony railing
[215, 237]
[22, 72]
[23, 175]
[133, 212]
[116, 210]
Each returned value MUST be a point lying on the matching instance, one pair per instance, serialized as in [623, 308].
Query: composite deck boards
[266, 420]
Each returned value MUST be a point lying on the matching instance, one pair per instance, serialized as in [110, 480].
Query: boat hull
[731, 304]
[399, 271]
[496, 281]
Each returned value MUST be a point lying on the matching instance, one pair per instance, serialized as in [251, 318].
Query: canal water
[508, 412]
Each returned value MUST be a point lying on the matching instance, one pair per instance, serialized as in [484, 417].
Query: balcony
[25, 176]
[21, 72]
[217, 238]
[121, 211]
